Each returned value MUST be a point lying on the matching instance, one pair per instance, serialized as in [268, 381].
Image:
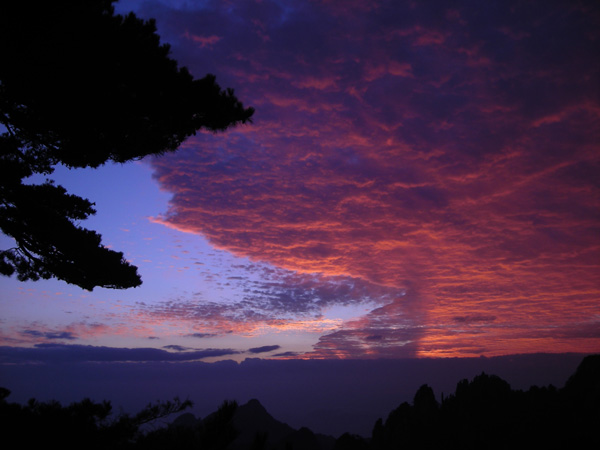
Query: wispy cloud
[37, 332]
[268, 300]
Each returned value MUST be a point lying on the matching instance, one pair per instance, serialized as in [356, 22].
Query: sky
[420, 180]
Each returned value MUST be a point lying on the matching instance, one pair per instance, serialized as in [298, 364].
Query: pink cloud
[394, 68]
[203, 41]
[444, 154]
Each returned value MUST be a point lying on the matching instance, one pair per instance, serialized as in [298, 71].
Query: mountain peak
[252, 421]
[252, 418]
[254, 404]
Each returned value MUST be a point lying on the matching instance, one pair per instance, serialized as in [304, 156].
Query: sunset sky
[421, 179]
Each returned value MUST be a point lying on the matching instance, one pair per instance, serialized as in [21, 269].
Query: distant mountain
[257, 429]
[252, 421]
[185, 420]
[484, 412]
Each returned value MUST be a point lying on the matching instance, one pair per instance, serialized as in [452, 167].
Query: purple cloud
[449, 151]
[67, 335]
[264, 349]
[202, 335]
[177, 348]
[62, 353]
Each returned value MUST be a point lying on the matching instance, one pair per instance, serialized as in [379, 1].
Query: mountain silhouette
[185, 420]
[257, 429]
[482, 413]
[252, 420]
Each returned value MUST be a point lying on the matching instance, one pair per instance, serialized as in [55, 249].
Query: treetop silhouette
[487, 413]
[81, 86]
[484, 413]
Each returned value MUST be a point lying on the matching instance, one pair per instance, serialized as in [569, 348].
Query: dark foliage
[84, 424]
[81, 86]
[348, 441]
[215, 432]
[484, 413]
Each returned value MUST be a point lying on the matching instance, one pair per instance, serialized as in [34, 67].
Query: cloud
[449, 153]
[286, 293]
[202, 335]
[51, 335]
[36, 332]
[393, 330]
[62, 353]
[177, 348]
[204, 41]
[474, 319]
[267, 299]
[287, 355]
[264, 349]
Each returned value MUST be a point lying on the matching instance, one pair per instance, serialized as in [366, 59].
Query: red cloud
[203, 41]
[452, 160]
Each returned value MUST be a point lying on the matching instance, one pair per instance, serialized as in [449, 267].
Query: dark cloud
[374, 337]
[66, 335]
[264, 349]
[287, 354]
[202, 335]
[473, 319]
[62, 353]
[177, 348]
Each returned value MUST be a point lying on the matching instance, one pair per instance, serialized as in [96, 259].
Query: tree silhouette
[486, 413]
[348, 441]
[81, 86]
[84, 424]
[217, 430]
[480, 413]
[214, 432]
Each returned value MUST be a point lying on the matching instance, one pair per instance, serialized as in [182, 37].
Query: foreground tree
[85, 424]
[81, 86]
[485, 413]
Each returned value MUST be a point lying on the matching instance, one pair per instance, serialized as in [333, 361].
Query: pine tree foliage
[81, 86]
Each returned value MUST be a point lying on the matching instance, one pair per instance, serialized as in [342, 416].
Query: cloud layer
[53, 353]
[447, 158]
